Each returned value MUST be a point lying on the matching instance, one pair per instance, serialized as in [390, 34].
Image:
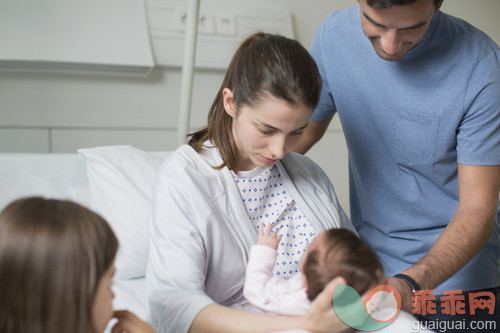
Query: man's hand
[405, 292]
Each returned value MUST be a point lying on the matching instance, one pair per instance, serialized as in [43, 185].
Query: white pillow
[121, 182]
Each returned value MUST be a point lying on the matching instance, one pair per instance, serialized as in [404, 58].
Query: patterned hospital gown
[267, 201]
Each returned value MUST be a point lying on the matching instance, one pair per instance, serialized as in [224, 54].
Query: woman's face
[102, 310]
[266, 131]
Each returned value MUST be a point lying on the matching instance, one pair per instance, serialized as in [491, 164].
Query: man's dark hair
[390, 3]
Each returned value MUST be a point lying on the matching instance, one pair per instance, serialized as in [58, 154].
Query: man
[418, 95]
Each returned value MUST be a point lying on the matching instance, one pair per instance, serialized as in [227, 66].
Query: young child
[334, 252]
[56, 270]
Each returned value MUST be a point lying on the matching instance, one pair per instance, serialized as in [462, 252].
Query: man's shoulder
[341, 16]
[464, 34]
[337, 28]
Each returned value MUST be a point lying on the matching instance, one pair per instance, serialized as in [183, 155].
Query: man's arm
[313, 132]
[465, 235]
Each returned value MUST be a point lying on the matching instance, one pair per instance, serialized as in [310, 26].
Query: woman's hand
[321, 317]
[267, 237]
[130, 323]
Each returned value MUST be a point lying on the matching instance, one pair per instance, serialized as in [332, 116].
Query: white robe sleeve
[177, 257]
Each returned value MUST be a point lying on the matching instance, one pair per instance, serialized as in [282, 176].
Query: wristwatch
[409, 281]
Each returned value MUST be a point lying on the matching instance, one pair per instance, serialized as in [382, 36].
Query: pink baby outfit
[272, 293]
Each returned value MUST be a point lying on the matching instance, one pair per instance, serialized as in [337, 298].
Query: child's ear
[227, 99]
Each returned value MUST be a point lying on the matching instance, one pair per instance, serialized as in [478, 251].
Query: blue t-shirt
[407, 124]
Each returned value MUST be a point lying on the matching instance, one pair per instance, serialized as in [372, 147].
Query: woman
[235, 174]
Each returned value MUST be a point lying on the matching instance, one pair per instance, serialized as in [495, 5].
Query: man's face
[396, 30]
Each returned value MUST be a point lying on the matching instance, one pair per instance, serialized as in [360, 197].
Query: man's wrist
[409, 281]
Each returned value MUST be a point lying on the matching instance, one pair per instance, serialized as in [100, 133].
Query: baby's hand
[267, 237]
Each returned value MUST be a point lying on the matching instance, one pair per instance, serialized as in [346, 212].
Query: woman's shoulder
[299, 166]
[187, 166]
[300, 162]
[183, 157]
[186, 157]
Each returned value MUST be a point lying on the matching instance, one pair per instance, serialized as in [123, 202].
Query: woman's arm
[177, 261]
[320, 318]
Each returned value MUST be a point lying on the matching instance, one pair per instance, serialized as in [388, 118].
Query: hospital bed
[116, 182]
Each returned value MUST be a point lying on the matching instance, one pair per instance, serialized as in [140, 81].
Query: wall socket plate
[206, 24]
[225, 24]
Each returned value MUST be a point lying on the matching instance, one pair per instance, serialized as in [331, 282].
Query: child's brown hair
[53, 254]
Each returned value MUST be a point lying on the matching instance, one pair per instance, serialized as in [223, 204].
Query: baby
[334, 252]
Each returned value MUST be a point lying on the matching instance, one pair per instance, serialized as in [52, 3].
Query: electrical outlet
[226, 24]
[206, 23]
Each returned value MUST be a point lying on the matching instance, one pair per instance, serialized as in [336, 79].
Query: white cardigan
[201, 236]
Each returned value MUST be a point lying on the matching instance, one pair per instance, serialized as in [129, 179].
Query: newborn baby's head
[340, 252]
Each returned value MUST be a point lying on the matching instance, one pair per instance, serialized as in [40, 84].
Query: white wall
[60, 113]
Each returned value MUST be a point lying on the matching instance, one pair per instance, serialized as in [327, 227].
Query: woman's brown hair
[263, 64]
[53, 254]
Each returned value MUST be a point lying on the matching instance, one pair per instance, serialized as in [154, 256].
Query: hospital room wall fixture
[125, 37]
